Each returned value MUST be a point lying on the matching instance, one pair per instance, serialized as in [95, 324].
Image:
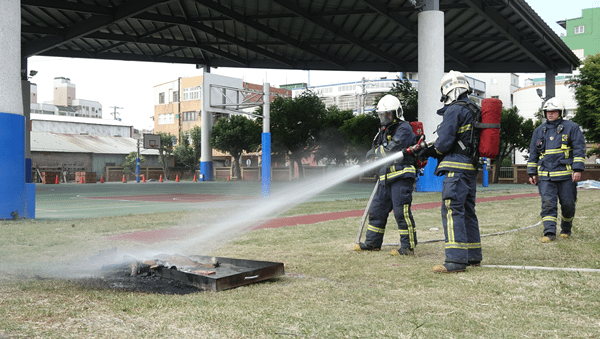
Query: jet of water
[264, 209]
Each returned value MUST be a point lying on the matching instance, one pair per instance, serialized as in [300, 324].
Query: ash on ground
[119, 277]
[125, 273]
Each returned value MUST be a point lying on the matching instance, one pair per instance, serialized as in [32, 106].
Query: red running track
[172, 234]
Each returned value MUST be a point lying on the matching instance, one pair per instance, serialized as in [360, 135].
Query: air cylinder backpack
[485, 139]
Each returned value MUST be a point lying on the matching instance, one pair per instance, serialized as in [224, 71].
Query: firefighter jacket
[557, 149]
[392, 139]
[453, 143]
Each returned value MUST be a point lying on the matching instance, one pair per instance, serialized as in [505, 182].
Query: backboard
[151, 141]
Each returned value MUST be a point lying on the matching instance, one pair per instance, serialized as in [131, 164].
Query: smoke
[209, 233]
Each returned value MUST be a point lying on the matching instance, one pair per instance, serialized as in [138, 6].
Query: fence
[507, 172]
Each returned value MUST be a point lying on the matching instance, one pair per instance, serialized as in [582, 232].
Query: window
[176, 96]
[579, 29]
[161, 98]
[192, 93]
[166, 119]
[190, 116]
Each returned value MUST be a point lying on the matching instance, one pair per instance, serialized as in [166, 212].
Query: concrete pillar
[431, 70]
[206, 160]
[550, 84]
[13, 189]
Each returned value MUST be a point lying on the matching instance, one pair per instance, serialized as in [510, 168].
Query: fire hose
[408, 151]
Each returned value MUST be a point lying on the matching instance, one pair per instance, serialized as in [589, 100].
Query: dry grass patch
[329, 291]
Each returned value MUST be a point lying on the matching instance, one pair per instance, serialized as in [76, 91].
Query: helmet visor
[386, 117]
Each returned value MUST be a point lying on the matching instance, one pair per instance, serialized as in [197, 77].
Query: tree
[196, 136]
[360, 131]
[235, 135]
[184, 153]
[595, 150]
[408, 96]
[295, 123]
[167, 141]
[129, 165]
[587, 94]
[332, 143]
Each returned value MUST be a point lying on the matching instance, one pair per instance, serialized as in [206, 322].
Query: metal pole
[485, 173]
[364, 217]
[137, 163]
[266, 142]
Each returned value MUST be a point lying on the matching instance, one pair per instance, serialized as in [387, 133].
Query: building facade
[583, 33]
[499, 86]
[79, 126]
[175, 113]
[359, 96]
[65, 102]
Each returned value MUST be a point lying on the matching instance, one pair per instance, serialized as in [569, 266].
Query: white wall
[528, 102]
[73, 125]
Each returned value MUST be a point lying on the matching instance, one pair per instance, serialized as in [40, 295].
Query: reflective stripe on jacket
[393, 139]
[455, 129]
[557, 149]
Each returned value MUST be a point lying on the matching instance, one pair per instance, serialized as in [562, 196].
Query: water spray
[213, 234]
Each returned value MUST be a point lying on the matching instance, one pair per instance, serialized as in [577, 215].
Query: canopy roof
[359, 35]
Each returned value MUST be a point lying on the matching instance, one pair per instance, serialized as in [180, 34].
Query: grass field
[328, 291]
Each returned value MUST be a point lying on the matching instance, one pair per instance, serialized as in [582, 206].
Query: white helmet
[554, 104]
[453, 84]
[388, 109]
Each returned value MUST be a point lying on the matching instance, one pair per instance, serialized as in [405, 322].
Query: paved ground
[73, 201]
[176, 234]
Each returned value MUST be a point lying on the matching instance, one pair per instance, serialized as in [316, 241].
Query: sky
[129, 85]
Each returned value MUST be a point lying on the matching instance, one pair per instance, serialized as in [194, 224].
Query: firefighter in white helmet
[396, 180]
[556, 160]
[453, 149]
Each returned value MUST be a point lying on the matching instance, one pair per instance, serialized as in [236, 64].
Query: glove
[426, 153]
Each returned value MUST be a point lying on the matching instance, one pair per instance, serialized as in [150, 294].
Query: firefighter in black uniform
[396, 180]
[556, 160]
[453, 149]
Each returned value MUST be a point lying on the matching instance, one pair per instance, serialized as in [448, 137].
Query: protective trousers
[396, 195]
[566, 191]
[461, 227]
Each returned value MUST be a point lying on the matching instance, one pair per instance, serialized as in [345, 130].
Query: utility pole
[180, 118]
[363, 96]
[115, 113]
[137, 162]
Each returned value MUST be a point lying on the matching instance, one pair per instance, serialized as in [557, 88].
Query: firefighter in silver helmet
[556, 160]
[396, 180]
[453, 150]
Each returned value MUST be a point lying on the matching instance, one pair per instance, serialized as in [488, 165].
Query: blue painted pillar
[137, 169]
[485, 173]
[206, 170]
[430, 182]
[13, 189]
[266, 165]
[266, 142]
